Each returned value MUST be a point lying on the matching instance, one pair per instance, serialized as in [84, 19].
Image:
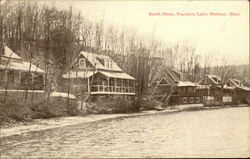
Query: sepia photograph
[124, 79]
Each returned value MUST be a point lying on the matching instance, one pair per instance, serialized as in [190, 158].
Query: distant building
[15, 73]
[211, 88]
[242, 93]
[95, 74]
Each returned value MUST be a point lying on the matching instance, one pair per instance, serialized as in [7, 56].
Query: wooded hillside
[52, 38]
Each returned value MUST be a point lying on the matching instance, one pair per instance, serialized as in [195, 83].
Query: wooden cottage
[169, 87]
[185, 92]
[98, 75]
[162, 84]
[241, 92]
[15, 73]
[211, 88]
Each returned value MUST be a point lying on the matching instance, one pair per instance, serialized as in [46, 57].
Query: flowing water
[209, 133]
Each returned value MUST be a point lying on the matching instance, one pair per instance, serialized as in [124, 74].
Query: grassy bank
[19, 128]
[19, 106]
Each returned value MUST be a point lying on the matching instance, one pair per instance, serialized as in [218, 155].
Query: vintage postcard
[124, 79]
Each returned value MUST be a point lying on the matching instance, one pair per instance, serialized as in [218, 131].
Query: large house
[15, 73]
[96, 74]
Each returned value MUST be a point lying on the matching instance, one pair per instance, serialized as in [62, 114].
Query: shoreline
[44, 124]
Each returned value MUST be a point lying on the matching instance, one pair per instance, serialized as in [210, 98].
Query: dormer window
[100, 60]
[108, 63]
[82, 63]
[239, 83]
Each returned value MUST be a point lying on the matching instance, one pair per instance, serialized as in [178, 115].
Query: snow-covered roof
[18, 64]
[237, 83]
[93, 59]
[228, 87]
[244, 88]
[87, 74]
[22, 66]
[186, 84]
[9, 53]
[117, 75]
[203, 86]
[215, 79]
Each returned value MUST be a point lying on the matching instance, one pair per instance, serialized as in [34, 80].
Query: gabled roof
[235, 82]
[20, 65]
[167, 73]
[238, 84]
[213, 78]
[172, 72]
[9, 53]
[93, 59]
[161, 82]
[120, 75]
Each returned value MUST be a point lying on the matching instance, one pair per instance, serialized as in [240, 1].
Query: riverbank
[43, 124]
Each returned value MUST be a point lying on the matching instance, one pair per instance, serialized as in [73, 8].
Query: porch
[16, 79]
[111, 83]
[104, 89]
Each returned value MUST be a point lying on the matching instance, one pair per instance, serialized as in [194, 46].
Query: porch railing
[105, 88]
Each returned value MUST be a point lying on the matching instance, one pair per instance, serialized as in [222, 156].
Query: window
[107, 63]
[191, 100]
[110, 64]
[38, 81]
[198, 99]
[82, 63]
[24, 78]
[184, 99]
[11, 76]
[190, 89]
[1, 75]
[163, 82]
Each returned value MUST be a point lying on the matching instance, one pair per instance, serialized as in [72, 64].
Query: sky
[220, 35]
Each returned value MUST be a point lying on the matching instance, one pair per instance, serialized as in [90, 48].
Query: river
[207, 133]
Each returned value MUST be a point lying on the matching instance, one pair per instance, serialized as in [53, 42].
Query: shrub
[111, 105]
[145, 104]
[36, 106]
